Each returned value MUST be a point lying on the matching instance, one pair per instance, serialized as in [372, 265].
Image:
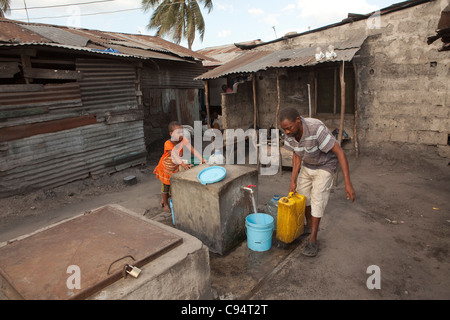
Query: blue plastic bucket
[171, 210]
[259, 231]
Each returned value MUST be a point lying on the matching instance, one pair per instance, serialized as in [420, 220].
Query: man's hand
[350, 192]
[293, 187]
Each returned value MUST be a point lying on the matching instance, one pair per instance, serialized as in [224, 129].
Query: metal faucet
[248, 188]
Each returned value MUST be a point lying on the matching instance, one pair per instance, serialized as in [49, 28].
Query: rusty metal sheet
[32, 129]
[253, 61]
[37, 266]
[242, 64]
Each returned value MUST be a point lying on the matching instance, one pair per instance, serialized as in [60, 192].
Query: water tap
[248, 188]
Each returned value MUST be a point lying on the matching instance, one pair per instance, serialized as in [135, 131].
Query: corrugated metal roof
[129, 45]
[253, 61]
[219, 55]
[126, 52]
[239, 65]
[58, 35]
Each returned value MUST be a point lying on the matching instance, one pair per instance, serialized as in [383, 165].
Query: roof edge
[352, 17]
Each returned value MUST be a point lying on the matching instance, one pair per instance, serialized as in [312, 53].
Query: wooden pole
[279, 101]
[255, 107]
[207, 103]
[341, 124]
[255, 116]
[280, 158]
[26, 63]
[309, 101]
[355, 132]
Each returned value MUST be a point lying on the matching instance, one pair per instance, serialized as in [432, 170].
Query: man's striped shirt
[314, 147]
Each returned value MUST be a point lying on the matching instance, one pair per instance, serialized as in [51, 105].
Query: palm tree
[4, 7]
[177, 19]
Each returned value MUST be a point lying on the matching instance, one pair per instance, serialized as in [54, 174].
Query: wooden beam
[29, 130]
[37, 73]
[21, 88]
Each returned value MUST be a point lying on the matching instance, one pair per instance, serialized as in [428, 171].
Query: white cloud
[330, 11]
[256, 12]
[289, 8]
[271, 19]
[224, 33]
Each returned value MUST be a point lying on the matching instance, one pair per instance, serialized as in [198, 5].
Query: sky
[230, 21]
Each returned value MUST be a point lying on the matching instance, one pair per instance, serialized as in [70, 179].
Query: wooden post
[341, 124]
[207, 103]
[315, 92]
[280, 158]
[26, 64]
[355, 133]
[255, 107]
[309, 101]
[255, 117]
[138, 83]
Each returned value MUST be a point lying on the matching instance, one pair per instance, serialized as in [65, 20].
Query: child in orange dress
[171, 161]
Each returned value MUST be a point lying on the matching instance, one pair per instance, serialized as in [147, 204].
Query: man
[316, 154]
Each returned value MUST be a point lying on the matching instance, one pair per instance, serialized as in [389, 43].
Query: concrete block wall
[403, 83]
[405, 95]
[237, 108]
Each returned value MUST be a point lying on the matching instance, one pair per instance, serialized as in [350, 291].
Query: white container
[216, 158]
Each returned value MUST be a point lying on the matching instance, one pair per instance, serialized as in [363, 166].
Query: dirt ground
[399, 222]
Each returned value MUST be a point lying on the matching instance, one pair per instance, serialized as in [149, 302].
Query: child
[171, 160]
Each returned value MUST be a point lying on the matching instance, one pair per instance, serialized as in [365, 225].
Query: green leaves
[177, 19]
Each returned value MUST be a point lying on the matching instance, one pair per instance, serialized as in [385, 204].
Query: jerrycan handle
[292, 193]
[284, 200]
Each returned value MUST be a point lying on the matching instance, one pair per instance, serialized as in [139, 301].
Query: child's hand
[186, 166]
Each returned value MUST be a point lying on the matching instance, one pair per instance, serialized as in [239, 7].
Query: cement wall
[402, 83]
[218, 220]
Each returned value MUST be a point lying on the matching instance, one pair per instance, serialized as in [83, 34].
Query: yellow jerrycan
[291, 217]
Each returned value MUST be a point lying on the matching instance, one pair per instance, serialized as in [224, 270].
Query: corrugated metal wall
[170, 93]
[107, 85]
[23, 104]
[173, 75]
[54, 159]
[78, 129]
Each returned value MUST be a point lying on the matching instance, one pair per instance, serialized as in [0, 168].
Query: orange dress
[166, 167]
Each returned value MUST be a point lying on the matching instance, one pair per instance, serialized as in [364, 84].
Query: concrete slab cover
[37, 266]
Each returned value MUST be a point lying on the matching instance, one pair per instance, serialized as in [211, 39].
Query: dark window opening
[329, 90]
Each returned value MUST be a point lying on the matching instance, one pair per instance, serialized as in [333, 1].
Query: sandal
[310, 249]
